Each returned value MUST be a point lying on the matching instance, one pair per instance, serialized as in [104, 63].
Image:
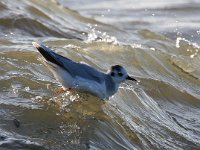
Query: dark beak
[130, 78]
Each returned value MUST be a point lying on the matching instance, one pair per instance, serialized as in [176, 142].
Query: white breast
[91, 86]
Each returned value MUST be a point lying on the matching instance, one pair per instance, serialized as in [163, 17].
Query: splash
[99, 36]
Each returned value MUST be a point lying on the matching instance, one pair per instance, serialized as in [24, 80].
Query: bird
[82, 77]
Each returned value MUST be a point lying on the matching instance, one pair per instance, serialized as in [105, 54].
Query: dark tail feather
[47, 53]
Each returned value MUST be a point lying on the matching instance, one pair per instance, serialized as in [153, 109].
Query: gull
[82, 77]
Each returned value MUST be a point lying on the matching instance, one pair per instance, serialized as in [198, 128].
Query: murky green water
[157, 41]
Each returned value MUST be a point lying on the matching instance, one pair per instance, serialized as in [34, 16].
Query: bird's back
[73, 68]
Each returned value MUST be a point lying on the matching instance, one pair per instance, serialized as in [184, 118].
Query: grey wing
[85, 71]
[74, 68]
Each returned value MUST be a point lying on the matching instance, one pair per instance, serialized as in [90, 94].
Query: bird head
[119, 74]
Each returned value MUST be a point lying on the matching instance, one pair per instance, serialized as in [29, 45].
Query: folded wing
[74, 68]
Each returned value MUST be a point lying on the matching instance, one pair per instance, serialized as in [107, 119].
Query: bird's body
[80, 76]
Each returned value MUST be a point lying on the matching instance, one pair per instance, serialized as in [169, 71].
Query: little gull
[82, 77]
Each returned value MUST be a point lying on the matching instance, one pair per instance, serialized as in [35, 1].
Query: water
[156, 40]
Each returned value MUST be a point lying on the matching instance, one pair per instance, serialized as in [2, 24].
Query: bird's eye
[120, 74]
[112, 74]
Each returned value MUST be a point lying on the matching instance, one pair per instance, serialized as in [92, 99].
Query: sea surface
[157, 41]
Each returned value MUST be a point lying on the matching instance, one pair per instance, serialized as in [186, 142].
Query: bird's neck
[111, 86]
